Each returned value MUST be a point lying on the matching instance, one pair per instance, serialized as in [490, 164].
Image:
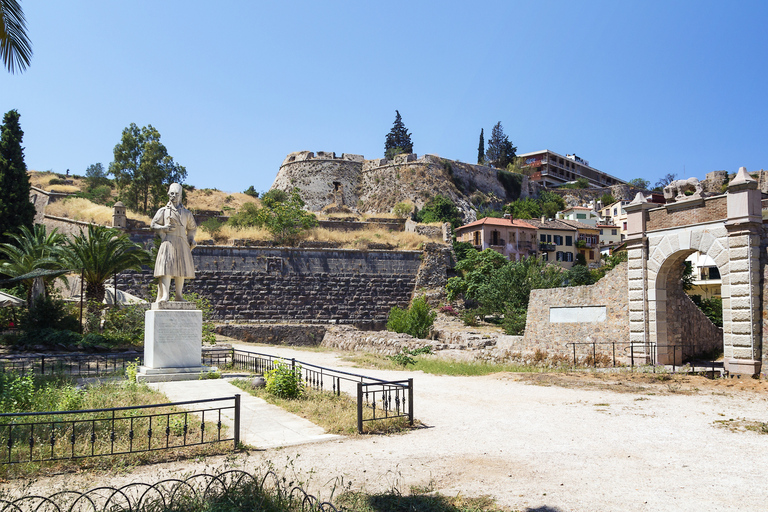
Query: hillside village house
[513, 238]
[582, 214]
[557, 241]
[610, 234]
[587, 241]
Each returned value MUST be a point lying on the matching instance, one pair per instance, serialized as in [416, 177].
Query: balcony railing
[547, 247]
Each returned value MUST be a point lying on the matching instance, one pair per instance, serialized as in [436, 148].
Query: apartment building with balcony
[550, 169]
[513, 238]
[556, 241]
[587, 241]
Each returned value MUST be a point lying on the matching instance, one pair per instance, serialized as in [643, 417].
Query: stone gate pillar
[742, 296]
[637, 256]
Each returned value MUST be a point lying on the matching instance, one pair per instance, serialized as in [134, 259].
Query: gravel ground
[585, 444]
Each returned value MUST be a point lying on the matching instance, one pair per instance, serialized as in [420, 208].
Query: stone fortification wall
[275, 334]
[64, 225]
[583, 314]
[319, 177]
[297, 285]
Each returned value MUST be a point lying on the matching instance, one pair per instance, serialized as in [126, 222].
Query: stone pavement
[262, 425]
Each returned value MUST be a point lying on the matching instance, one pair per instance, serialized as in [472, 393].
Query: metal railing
[85, 365]
[377, 399]
[57, 435]
[647, 352]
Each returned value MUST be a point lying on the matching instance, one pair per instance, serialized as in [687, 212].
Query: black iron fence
[200, 492]
[640, 353]
[75, 365]
[377, 399]
[56, 435]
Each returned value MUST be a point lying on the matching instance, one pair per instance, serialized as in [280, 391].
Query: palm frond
[15, 47]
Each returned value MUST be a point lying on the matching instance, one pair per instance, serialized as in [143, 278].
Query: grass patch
[335, 414]
[79, 208]
[439, 366]
[40, 394]
[417, 500]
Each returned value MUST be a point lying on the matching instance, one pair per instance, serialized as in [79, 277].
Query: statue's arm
[191, 230]
[157, 221]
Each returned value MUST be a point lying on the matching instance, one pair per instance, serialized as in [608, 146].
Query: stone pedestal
[173, 343]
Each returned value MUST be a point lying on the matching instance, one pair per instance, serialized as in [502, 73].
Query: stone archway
[727, 228]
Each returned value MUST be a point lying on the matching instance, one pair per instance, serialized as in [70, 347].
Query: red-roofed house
[513, 238]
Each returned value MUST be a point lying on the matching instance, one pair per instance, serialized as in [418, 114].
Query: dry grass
[78, 208]
[216, 200]
[43, 179]
[361, 239]
[63, 189]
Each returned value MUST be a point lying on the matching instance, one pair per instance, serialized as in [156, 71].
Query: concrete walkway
[262, 425]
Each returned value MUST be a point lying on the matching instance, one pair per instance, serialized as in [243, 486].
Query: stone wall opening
[682, 331]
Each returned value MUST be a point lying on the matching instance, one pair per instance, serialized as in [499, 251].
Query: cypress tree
[481, 149]
[15, 208]
[500, 152]
[398, 139]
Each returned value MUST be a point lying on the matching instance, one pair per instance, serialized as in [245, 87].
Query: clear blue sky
[638, 88]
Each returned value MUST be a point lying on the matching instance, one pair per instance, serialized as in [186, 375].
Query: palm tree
[15, 47]
[101, 253]
[32, 250]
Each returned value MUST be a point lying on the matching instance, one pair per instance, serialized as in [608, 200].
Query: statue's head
[174, 193]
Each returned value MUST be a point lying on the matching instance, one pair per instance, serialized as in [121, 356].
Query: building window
[477, 238]
[601, 231]
[568, 240]
[558, 240]
[591, 255]
[615, 212]
[559, 256]
[549, 239]
[613, 231]
[543, 238]
[495, 238]
[568, 256]
[545, 256]
[625, 226]
[581, 216]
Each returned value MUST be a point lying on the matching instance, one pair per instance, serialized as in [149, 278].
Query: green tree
[15, 208]
[30, 250]
[15, 47]
[143, 169]
[639, 183]
[250, 191]
[398, 139]
[101, 253]
[526, 208]
[287, 220]
[500, 152]
[439, 209]
[481, 149]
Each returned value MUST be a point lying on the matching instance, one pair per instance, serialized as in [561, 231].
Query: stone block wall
[609, 293]
[275, 334]
[297, 285]
[688, 213]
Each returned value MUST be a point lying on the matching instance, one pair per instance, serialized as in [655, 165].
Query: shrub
[403, 210]
[125, 324]
[514, 321]
[416, 320]
[16, 391]
[49, 313]
[439, 209]
[284, 381]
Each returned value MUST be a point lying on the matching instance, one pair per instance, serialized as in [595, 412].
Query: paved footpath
[262, 425]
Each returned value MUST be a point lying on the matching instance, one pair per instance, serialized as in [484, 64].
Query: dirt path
[586, 444]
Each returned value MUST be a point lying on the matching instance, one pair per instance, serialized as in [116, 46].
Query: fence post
[574, 355]
[359, 407]
[594, 355]
[42, 365]
[410, 401]
[237, 420]
[614, 353]
[632, 355]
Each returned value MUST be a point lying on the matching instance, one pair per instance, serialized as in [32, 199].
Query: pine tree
[398, 139]
[15, 208]
[500, 151]
[481, 149]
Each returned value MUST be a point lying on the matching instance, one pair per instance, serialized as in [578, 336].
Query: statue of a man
[176, 227]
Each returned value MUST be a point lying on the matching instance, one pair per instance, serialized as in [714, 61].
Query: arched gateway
[729, 229]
